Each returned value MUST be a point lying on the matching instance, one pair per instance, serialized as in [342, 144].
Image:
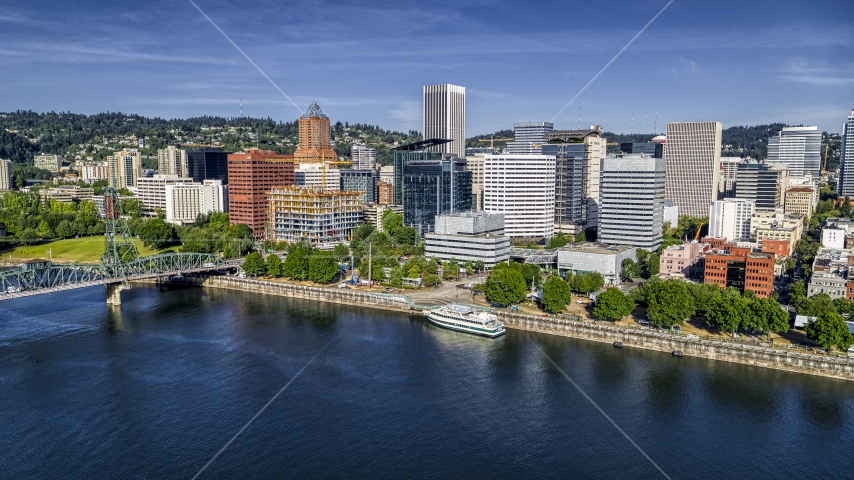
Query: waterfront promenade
[766, 357]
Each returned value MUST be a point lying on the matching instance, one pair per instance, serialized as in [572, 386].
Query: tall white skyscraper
[631, 206]
[5, 175]
[692, 153]
[730, 218]
[799, 148]
[522, 187]
[172, 161]
[444, 116]
[363, 158]
[846, 159]
[529, 138]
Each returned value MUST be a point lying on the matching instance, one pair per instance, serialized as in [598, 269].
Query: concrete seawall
[826, 366]
[822, 365]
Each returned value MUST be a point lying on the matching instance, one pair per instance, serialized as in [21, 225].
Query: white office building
[469, 236]
[631, 206]
[51, 163]
[91, 172]
[693, 157]
[595, 257]
[529, 138]
[5, 175]
[730, 218]
[125, 168]
[185, 201]
[799, 149]
[313, 174]
[172, 161]
[729, 175]
[151, 191]
[444, 116]
[522, 187]
[845, 185]
[363, 158]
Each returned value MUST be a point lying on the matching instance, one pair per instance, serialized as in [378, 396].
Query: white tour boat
[464, 319]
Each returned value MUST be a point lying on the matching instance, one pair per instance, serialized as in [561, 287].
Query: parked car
[209, 264]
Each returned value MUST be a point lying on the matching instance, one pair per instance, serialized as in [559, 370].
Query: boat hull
[440, 322]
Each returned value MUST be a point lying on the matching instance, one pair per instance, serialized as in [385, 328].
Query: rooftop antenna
[241, 108]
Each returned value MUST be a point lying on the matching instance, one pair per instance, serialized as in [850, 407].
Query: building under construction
[303, 213]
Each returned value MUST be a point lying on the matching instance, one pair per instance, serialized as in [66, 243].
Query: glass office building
[208, 163]
[359, 181]
[434, 187]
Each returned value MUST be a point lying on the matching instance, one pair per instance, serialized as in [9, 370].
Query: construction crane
[492, 140]
[824, 168]
[699, 229]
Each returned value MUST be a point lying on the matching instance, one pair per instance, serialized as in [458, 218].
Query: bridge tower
[120, 247]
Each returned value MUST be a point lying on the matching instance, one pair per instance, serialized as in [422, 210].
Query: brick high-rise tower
[251, 175]
[315, 137]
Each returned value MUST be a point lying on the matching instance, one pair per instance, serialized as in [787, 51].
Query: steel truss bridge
[121, 263]
[538, 257]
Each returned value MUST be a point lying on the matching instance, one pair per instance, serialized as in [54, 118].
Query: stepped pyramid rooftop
[314, 111]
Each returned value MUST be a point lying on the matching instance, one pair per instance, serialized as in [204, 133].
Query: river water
[155, 389]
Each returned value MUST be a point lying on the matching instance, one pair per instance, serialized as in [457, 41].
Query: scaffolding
[299, 213]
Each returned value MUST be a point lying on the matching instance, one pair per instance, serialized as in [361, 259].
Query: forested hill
[25, 133]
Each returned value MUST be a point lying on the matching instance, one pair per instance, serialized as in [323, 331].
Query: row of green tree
[301, 263]
[29, 218]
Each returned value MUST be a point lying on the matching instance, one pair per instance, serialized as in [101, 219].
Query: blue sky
[738, 62]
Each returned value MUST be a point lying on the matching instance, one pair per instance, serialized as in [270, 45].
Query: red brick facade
[250, 176]
[739, 267]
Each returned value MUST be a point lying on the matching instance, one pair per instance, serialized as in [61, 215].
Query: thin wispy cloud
[367, 61]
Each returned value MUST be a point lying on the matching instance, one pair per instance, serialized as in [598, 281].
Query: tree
[631, 270]
[341, 253]
[396, 277]
[612, 304]
[505, 286]
[845, 209]
[322, 267]
[28, 237]
[556, 294]
[274, 265]
[430, 280]
[844, 306]
[587, 282]
[405, 235]
[829, 330]
[432, 266]
[797, 292]
[816, 305]
[767, 316]
[558, 241]
[479, 266]
[254, 265]
[44, 230]
[531, 273]
[729, 313]
[156, 233]
[391, 222]
[581, 237]
[451, 269]
[296, 264]
[414, 271]
[64, 229]
[704, 295]
[670, 304]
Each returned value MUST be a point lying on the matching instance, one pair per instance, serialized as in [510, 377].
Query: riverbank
[792, 361]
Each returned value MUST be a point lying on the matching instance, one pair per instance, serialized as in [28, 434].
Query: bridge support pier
[114, 293]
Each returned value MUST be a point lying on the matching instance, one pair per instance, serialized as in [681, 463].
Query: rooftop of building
[423, 144]
[596, 248]
[471, 214]
[800, 189]
[314, 111]
[594, 130]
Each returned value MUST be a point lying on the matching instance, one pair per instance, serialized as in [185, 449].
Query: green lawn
[80, 250]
